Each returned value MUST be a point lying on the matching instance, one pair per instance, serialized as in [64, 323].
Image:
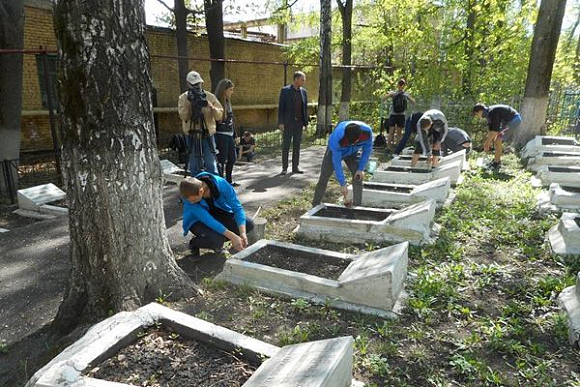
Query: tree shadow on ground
[206, 266]
[497, 175]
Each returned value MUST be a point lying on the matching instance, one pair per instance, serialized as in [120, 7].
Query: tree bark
[346, 15]
[119, 252]
[180, 11]
[11, 37]
[544, 45]
[214, 24]
[324, 113]
[469, 43]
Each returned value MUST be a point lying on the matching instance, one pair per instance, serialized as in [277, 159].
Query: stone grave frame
[34, 202]
[566, 176]
[373, 282]
[540, 144]
[418, 176]
[413, 223]
[284, 366]
[565, 235]
[569, 302]
[405, 160]
[553, 159]
[559, 198]
[171, 172]
[378, 194]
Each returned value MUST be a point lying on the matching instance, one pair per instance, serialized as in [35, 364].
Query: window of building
[51, 64]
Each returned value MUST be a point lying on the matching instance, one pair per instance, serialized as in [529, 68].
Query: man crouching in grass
[213, 213]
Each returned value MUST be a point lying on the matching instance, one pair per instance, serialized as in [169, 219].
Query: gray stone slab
[31, 198]
[413, 223]
[565, 236]
[534, 163]
[452, 171]
[116, 332]
[541, 144]
[34, 214]
[2, 230]
[372, 283]
[566, 176]
[405, 160]
[326, 363]
[171, 172]
[569, 301]
[388, 195]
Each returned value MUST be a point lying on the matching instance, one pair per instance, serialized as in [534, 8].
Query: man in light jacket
[202, 145]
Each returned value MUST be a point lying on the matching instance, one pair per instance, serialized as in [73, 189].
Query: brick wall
[254, 84]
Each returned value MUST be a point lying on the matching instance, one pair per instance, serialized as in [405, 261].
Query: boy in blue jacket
[344, 143]
[213, 213]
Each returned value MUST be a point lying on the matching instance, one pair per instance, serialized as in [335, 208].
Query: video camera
[197, 97]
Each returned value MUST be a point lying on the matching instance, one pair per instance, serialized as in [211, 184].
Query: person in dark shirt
[247, 146]
[397, 117]
[431, 131]
[503, 121]
[456, 140]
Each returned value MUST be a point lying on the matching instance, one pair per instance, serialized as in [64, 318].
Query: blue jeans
[406, 136]
[510, 129]
[209, 161]
[207, 238]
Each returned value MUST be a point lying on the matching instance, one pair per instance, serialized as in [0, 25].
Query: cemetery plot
[171, 172]
[370, 283]
[407, 175]
[565, 236]
[569, 301]
[541, 144]
[34, 202]
[565, 176]
[329, 361]
[405, 160]
[361, 224]
[560, 197]
[553, 159]
[395, 195]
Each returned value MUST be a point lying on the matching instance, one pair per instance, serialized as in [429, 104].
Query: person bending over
[213, 213]
[431, 131]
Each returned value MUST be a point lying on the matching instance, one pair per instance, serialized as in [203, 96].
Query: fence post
[50, 104]
[285, 73]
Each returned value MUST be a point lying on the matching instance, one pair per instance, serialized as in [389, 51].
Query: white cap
[194, 78]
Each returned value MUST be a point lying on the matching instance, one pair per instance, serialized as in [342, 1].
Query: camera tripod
[197, 134]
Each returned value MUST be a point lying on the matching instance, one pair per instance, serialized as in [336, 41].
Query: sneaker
[283, 172]
[297, 171]
[495, 165]
[234, 184]
[194, 252]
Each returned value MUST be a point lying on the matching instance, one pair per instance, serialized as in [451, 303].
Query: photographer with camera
[199, 110]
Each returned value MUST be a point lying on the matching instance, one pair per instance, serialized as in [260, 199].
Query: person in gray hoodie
[431, 131]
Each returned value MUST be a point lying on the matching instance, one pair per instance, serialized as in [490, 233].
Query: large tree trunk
[11, 37]
[544, 44]
[119, 253]
[181, 12]
[346, 15]
[468, 44]
[214, 24]
[324, 114]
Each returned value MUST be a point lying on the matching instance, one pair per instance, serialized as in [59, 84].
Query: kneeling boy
[213, 213]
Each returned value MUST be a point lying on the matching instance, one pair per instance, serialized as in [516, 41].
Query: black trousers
[206, 238]
[292, 133]
[227, 156]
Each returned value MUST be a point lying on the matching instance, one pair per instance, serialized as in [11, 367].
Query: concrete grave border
[104, 339]
[33, 202]
[438, 190]
[403, 161]
[535, 147]
[547, 177]
[557, 198]
[565, 236]
[171, 172]
[373, 283]
[413, 223]
[569, 301]
[452, 171]
[534, 163]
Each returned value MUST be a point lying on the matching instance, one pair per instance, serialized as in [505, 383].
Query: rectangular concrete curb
[373, 283]
[405, 160]
[565, 236]
[451, 170]
[540, 144]
[534, 163]
[570, 179]
[569, 301]
[412, 223]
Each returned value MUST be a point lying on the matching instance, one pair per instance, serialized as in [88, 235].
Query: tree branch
[166, 6]
[285, 6]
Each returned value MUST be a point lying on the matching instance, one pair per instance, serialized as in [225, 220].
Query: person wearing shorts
[503, 121]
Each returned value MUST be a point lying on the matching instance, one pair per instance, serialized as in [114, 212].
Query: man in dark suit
[292, 119]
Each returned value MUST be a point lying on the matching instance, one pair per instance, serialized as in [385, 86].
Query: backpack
[399, 103]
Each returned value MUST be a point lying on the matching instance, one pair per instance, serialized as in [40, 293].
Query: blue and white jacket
[338, 145]
[227, 201]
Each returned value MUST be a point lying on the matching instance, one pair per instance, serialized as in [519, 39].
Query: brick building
[256, 85]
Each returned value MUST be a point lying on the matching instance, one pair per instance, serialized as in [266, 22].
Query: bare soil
[408, 169]
[317, 265]
[352, 214]
[388, 188]
[164, 359]
[558, 141]
[10, 221]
